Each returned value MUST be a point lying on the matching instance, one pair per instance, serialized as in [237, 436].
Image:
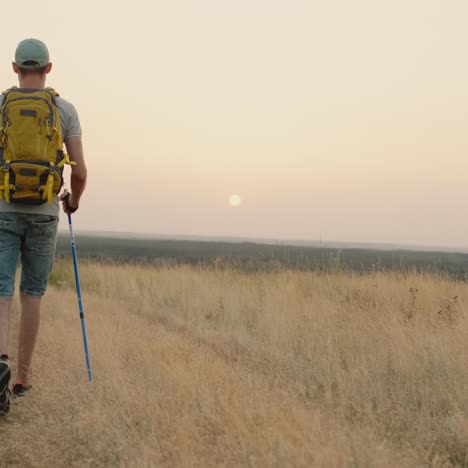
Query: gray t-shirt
[71, 128]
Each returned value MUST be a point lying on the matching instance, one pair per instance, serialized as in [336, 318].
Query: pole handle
[65, 199]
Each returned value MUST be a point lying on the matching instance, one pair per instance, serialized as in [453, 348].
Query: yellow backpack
[31, 142]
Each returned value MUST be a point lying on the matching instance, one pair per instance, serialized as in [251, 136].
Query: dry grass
[207, 368]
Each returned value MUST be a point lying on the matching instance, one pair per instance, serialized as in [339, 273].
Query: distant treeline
[253, 257]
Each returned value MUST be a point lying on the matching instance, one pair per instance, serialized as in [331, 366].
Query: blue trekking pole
[78, 290]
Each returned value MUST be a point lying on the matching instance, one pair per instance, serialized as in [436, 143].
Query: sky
[333, 120]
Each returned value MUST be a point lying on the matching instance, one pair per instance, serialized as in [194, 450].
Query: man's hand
[70, 205]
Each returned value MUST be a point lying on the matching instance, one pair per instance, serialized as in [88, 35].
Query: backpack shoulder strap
[7, 91]
[52, 91]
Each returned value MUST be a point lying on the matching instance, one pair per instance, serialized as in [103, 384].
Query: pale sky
[341, 120]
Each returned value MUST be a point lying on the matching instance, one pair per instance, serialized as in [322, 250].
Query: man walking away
[31, 165]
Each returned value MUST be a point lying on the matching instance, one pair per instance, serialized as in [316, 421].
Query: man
[28, 231]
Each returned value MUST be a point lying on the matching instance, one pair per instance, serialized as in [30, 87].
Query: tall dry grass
[199, 367]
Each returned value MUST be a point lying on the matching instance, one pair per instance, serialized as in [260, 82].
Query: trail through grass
[198, 367]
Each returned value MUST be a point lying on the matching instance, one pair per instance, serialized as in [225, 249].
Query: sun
[235, 200]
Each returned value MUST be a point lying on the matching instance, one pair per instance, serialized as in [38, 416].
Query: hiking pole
[78, 289]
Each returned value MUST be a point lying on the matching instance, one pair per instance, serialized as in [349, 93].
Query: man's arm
[79, 173]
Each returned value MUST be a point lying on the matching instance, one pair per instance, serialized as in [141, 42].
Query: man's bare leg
[29, 327]
[5, 305]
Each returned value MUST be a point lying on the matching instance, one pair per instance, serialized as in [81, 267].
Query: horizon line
[269, 240]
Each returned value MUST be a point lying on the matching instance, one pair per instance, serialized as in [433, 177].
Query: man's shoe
[19, 390]
[5, 373]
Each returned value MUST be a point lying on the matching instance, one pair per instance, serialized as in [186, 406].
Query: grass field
[200, 367]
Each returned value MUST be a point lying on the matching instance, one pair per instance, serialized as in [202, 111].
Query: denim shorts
[32, 238]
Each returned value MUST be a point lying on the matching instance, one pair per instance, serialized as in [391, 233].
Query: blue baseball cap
[31, 53]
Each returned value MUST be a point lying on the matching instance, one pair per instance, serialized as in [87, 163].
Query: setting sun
[235, 200]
